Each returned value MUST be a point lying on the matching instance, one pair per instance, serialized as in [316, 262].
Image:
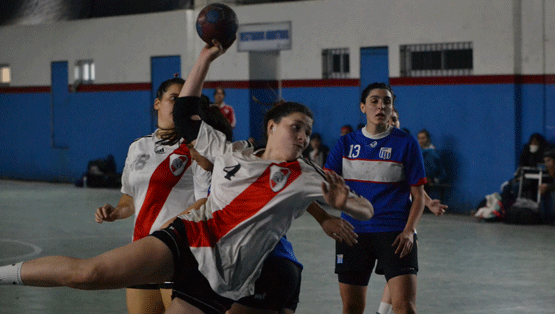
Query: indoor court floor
[465, 266]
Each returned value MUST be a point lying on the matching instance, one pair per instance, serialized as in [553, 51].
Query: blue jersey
[382, 168]
[284, 249]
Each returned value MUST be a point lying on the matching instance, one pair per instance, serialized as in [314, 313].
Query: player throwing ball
[383, 164]
[215, 253]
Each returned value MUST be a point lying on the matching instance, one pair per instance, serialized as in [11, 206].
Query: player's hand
[437, 208]
[404, 243]
[336, 191]
[201, 160]
[340, 230]
[105, 213]
[212, 51]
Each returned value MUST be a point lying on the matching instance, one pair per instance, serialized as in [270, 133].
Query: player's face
[164, 107]
[291, 135]
[378, 107]
[219, 96]
[394, 120]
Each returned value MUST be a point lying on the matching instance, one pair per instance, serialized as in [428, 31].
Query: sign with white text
[263, 37]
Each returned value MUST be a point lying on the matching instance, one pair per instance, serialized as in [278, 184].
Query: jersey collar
[377, 136]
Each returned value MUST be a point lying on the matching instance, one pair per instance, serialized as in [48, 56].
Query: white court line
[36, 250]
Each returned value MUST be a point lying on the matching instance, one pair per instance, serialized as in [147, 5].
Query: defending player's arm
[336, 227]
[124, 209]
[434, 206]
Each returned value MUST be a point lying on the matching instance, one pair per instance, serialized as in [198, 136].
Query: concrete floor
[465, 266]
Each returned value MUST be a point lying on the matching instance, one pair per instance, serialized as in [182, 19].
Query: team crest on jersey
[373, 144]
[385, 153]
[178, 164]
[278, 177]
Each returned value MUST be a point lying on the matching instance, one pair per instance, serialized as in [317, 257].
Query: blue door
[374, 67]
[162, 68]
[59, 102]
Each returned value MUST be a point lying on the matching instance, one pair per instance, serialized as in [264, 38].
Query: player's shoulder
[309, 166]
[142, 140]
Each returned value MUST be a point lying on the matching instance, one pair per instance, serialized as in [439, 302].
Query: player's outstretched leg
[148, 260]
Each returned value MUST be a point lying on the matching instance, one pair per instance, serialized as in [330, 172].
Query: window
[5, 74]
[447, 59]
[335, 63]
[84, 72]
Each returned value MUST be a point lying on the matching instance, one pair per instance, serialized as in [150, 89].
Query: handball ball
[217, 21]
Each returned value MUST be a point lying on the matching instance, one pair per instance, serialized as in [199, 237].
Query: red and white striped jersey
[162, 182]
[251, 205]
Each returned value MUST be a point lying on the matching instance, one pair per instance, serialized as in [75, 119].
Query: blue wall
[100, 123]
[477, 128]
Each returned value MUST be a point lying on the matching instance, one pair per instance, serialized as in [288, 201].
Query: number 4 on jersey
[231, 171]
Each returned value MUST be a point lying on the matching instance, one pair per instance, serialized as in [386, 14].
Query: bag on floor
[523, 212]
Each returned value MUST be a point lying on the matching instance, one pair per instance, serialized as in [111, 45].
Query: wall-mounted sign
[262, 37]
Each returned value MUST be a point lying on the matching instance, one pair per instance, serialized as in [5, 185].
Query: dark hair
[166, 85]
[540, 138]
[425, 133]
[211, 115]
[316, 136]
[550, 154]
[219, 88]
[348, 127]
[376, 85]
[283, 110]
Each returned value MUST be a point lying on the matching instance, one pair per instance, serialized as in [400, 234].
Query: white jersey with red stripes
[162, 182]
[251, 205]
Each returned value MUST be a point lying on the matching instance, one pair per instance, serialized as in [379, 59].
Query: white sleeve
[126, 187]
[212, 143]
[201, 180]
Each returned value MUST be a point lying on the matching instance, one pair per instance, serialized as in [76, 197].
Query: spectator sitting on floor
[432, 162]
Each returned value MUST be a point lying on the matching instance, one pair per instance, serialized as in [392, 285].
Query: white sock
[11, 274]
[385, 308]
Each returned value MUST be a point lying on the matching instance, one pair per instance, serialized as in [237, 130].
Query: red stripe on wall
[25, 90]
[285, 83]
[127, 87]
[475, 79]
[395, 81]
[245, 205]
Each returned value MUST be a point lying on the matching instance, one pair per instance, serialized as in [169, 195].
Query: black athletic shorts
[354, 264]
[278, 286]
[153, 286]
[189, 283]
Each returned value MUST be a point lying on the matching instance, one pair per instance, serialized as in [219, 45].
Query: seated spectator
[316, 151]
[227, 110]
[547, 190]
[346, 129]
[432, 162]
[533, 152]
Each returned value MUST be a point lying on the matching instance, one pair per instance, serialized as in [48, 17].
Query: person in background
[227, 110]
[533, 152]
[432, 162]
[548, 189]
[346, 129]
[316, 152]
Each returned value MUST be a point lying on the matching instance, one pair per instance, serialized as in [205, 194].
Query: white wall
[121, 47]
